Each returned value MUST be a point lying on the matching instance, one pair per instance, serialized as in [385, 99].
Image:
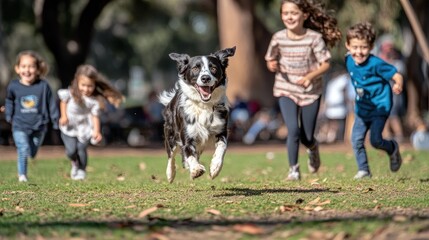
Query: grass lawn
[130, 198]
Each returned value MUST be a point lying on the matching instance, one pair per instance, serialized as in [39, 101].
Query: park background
[129, 42]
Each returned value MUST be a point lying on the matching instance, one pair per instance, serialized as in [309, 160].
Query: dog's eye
[195, 70]
[213, 69]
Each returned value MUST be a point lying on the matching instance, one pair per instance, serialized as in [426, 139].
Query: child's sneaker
[313, 158]
[294, 174]
[395, 158]
[80, 175]
[362, 174]
[22, 178]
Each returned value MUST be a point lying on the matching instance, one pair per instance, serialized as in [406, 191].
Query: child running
[30, 106]
[80, 107]
[299, 56]
[370, 76]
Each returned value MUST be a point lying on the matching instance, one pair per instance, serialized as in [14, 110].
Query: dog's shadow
[256, 192]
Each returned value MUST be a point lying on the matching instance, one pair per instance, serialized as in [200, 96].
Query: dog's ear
[182, 61]
[223, 55]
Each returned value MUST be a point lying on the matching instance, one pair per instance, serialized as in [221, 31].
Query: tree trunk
[248, 78]
[69, 50]
[417, 83]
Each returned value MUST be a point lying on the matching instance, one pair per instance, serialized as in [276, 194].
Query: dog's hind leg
[217, 160]
[171, 165]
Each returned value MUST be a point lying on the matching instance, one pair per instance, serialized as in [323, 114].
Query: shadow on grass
[256, 192]
[153, 224]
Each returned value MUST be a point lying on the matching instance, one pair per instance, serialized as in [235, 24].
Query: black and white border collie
[196, 112]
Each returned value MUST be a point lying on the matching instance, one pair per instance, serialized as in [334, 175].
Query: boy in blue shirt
[370, 76]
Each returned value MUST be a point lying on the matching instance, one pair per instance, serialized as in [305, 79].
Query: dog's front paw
[215, 167]
[171, 172]
[197, 171]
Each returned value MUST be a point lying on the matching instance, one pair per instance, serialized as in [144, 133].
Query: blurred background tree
[117, 35]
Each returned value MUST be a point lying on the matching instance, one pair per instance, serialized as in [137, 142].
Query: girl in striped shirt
[299, 56]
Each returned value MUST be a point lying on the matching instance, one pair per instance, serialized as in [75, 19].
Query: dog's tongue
[205, 92]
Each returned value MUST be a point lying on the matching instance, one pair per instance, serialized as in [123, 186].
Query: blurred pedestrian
[335, 107]
[299, 56]
[388, 52]
[30, 106]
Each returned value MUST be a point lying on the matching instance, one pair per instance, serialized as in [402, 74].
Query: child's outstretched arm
[399, 82]
[307, 79]
[63, 111]
[96, 133]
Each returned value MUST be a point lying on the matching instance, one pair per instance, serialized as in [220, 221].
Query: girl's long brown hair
[319, 20]
[103, 89]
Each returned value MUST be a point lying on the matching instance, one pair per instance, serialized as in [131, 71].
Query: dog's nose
[205, 78]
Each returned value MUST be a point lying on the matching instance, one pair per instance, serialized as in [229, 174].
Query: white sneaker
[80, 175]
[22, 178]
[73, 171]
[362, 174]
[294, 174]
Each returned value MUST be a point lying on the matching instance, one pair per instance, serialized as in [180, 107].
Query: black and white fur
[196, 112]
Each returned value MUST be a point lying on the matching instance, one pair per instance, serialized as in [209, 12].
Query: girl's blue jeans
[27, 144]
[375, 125]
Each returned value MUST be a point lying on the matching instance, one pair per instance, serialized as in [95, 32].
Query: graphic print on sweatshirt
[29, 104]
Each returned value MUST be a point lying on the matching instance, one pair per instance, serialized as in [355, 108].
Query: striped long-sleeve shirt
[297, 58]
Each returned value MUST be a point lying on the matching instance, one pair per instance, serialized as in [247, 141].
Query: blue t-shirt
[371, 82]
[31, 108]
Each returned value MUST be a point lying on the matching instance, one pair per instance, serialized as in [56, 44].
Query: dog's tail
[166, 96]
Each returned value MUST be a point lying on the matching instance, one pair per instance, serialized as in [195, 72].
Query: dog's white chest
[204, 122]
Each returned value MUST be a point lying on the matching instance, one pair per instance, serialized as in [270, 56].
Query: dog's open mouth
[205, 92]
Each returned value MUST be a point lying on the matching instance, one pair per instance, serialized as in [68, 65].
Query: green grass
[250, 189]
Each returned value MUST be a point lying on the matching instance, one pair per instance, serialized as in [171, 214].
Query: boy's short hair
[362, 31]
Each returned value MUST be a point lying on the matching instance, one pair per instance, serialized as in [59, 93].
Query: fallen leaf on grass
[148, 211]
[377, 207]
[368, 190]
[313, 209]
[315, 201]
[249, 229]
[288, 208]
[120, 177]
[213, 212]
[318, 209]
[142, 166]
[314, 181]
[78, 204]
[130, 206]
[19, 209]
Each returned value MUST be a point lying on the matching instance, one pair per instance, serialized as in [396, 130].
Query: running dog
[196, 112]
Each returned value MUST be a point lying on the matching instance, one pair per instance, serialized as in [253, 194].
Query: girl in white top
[80, 107]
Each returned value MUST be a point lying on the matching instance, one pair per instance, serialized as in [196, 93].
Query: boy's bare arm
[399, 81]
